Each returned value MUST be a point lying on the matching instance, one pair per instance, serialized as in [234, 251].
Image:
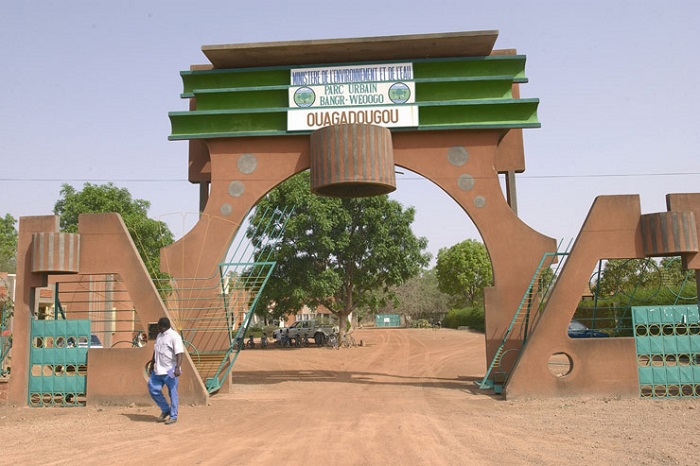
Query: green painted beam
[277, 96]
[512, 66]
[497, 113]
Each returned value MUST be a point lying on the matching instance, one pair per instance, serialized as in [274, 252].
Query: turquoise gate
[58, 362]
[387, 320]
[667, 339]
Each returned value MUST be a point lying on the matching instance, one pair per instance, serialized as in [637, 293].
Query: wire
[407, 178]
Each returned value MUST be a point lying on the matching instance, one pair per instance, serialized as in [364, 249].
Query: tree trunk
[342, 323]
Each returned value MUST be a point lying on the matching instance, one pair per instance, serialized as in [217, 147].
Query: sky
[87, 87]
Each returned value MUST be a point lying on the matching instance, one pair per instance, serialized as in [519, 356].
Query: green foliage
[463, 271]
[472, 317]
[342, 253]
[420, 298]
[420, 323]
[149, 235]
[257, 331]
[635, 282]
[626, 275]
[8, 244]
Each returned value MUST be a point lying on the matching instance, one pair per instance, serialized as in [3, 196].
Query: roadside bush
[257, 331]
[420, 323]
[472, 317]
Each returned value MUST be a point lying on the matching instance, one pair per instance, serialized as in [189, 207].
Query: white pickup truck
[305, 328]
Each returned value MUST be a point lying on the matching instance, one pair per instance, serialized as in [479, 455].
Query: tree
[420, 298]
[8, 244]
[463, 271]
[149, 235]
[341, 253]
[626, 276]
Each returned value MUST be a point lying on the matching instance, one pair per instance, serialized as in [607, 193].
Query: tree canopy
[463, 271]
[420, 298]
[342, 253]
[8, 244]
[149, 235]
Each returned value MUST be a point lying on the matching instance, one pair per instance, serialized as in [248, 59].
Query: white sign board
[372, 94]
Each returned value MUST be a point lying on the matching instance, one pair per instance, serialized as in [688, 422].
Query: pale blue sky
[87, 87]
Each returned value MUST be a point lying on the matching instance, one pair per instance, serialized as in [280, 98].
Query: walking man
[164, 368]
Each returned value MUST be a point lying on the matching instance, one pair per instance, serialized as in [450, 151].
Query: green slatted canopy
[460, 83]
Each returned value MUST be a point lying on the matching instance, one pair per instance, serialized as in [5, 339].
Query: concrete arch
[464, 164]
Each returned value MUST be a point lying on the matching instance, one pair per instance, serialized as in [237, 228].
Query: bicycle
[349, 341]
[332, 341]
[139, 341]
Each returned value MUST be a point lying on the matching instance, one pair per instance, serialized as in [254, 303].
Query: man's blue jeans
[155, 388]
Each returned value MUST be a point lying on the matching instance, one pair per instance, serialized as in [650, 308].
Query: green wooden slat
[514, 113]
[512, 66]
[277, 96]
[484, 113]
[221, 79]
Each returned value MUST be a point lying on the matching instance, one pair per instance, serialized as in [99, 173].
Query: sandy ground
[407, 397]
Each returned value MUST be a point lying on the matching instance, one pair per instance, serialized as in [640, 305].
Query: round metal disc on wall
[352, 160]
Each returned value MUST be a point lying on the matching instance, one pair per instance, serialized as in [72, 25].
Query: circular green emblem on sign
[304, 97]
[399, 93]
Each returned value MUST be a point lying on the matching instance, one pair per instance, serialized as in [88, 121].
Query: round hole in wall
[560, 364]
[643, 360]
[645, 391]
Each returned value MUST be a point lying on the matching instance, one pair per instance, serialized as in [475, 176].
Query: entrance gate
[58, 362]
[667, 339]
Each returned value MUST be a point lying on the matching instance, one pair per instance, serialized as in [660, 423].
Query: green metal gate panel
[58, 362]
[667, 339]
[387, 320]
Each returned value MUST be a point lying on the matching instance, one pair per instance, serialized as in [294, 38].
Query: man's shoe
[163, 417]
[172, 420]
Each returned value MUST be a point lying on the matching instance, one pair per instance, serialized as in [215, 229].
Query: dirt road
[407, 397]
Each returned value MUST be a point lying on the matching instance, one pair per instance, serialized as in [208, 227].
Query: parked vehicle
[578, 330]
[94, 342]
[305, 329]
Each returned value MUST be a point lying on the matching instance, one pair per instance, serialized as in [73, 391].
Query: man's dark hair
[164, 322]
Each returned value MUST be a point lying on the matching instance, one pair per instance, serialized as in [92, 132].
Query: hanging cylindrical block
[352, 160]
[55, 252]
[669, 233]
